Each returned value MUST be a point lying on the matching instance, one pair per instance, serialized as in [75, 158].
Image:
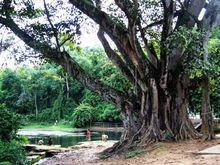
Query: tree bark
[160, 116]
[206, 112]
[67, 87]
[35, 104]
[211, 20]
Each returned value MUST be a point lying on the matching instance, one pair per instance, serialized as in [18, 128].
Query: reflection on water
[66, 141]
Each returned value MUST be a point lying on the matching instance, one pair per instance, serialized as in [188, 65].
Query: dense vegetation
[45, 93]
[11, 151]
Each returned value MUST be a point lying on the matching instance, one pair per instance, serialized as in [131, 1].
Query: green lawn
[48, 126]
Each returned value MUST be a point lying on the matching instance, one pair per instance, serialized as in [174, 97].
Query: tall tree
[10, 89]
[207, 24]
[157, 103]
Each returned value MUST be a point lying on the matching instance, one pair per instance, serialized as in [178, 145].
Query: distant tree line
[45, 93]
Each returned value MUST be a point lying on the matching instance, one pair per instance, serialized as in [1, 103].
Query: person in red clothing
[88, 135]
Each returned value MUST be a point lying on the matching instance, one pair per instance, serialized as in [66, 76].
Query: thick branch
[133, 77]
[124, 40]
[125, 6]
[100, 17]
[152, 56]
[156, 23]
[62, 58]
[52, 26]
[188, 17]
[105, 92]
[114, 57]
[211, 18]
[190, 13]
[168, 7]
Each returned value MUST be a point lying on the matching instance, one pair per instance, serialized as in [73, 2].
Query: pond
[63, 138]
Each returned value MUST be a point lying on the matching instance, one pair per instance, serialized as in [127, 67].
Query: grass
[63, 126]
[134, 153]
[49, 126]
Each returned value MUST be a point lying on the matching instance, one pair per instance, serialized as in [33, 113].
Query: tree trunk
[160, 116]
[206, 114]
[67, 87]
[35, 103]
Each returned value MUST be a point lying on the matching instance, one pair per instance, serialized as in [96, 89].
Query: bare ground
[180, 153]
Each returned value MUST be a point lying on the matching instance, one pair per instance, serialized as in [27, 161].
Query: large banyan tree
[155, 41]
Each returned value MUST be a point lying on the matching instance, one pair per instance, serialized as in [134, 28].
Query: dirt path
[85, 153]
[181, 153]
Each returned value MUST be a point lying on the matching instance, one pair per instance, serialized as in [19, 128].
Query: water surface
[64, 138]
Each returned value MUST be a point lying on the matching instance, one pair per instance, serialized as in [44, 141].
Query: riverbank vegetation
[46, 94]
[47, 97]
[11, 150]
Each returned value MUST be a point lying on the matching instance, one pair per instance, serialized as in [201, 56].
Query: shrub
[109, 113]
[12, 153]
[23, 139]
[10, 122]
[82, 115]
[48, 115]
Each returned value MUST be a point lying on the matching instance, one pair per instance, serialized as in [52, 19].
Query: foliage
[215, 101]
[10, 88]
[195, 101]
[47, 81]
[12, 153]
[43, 88]
[82, 116]
[10, 122]
[102, 111]
[95, 61]
[23, 139]
[109, 113]
[190, 44]
[212, 68]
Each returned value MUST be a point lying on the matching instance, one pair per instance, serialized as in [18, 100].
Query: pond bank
[38, 152]
[68, 138]
[175, 153]
[98, 126]
[83, 153]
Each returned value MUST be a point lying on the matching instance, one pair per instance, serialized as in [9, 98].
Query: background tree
[10, 89]
[49, 81]
[11, 151]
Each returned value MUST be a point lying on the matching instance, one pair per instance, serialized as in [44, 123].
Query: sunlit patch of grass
[49, 126]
